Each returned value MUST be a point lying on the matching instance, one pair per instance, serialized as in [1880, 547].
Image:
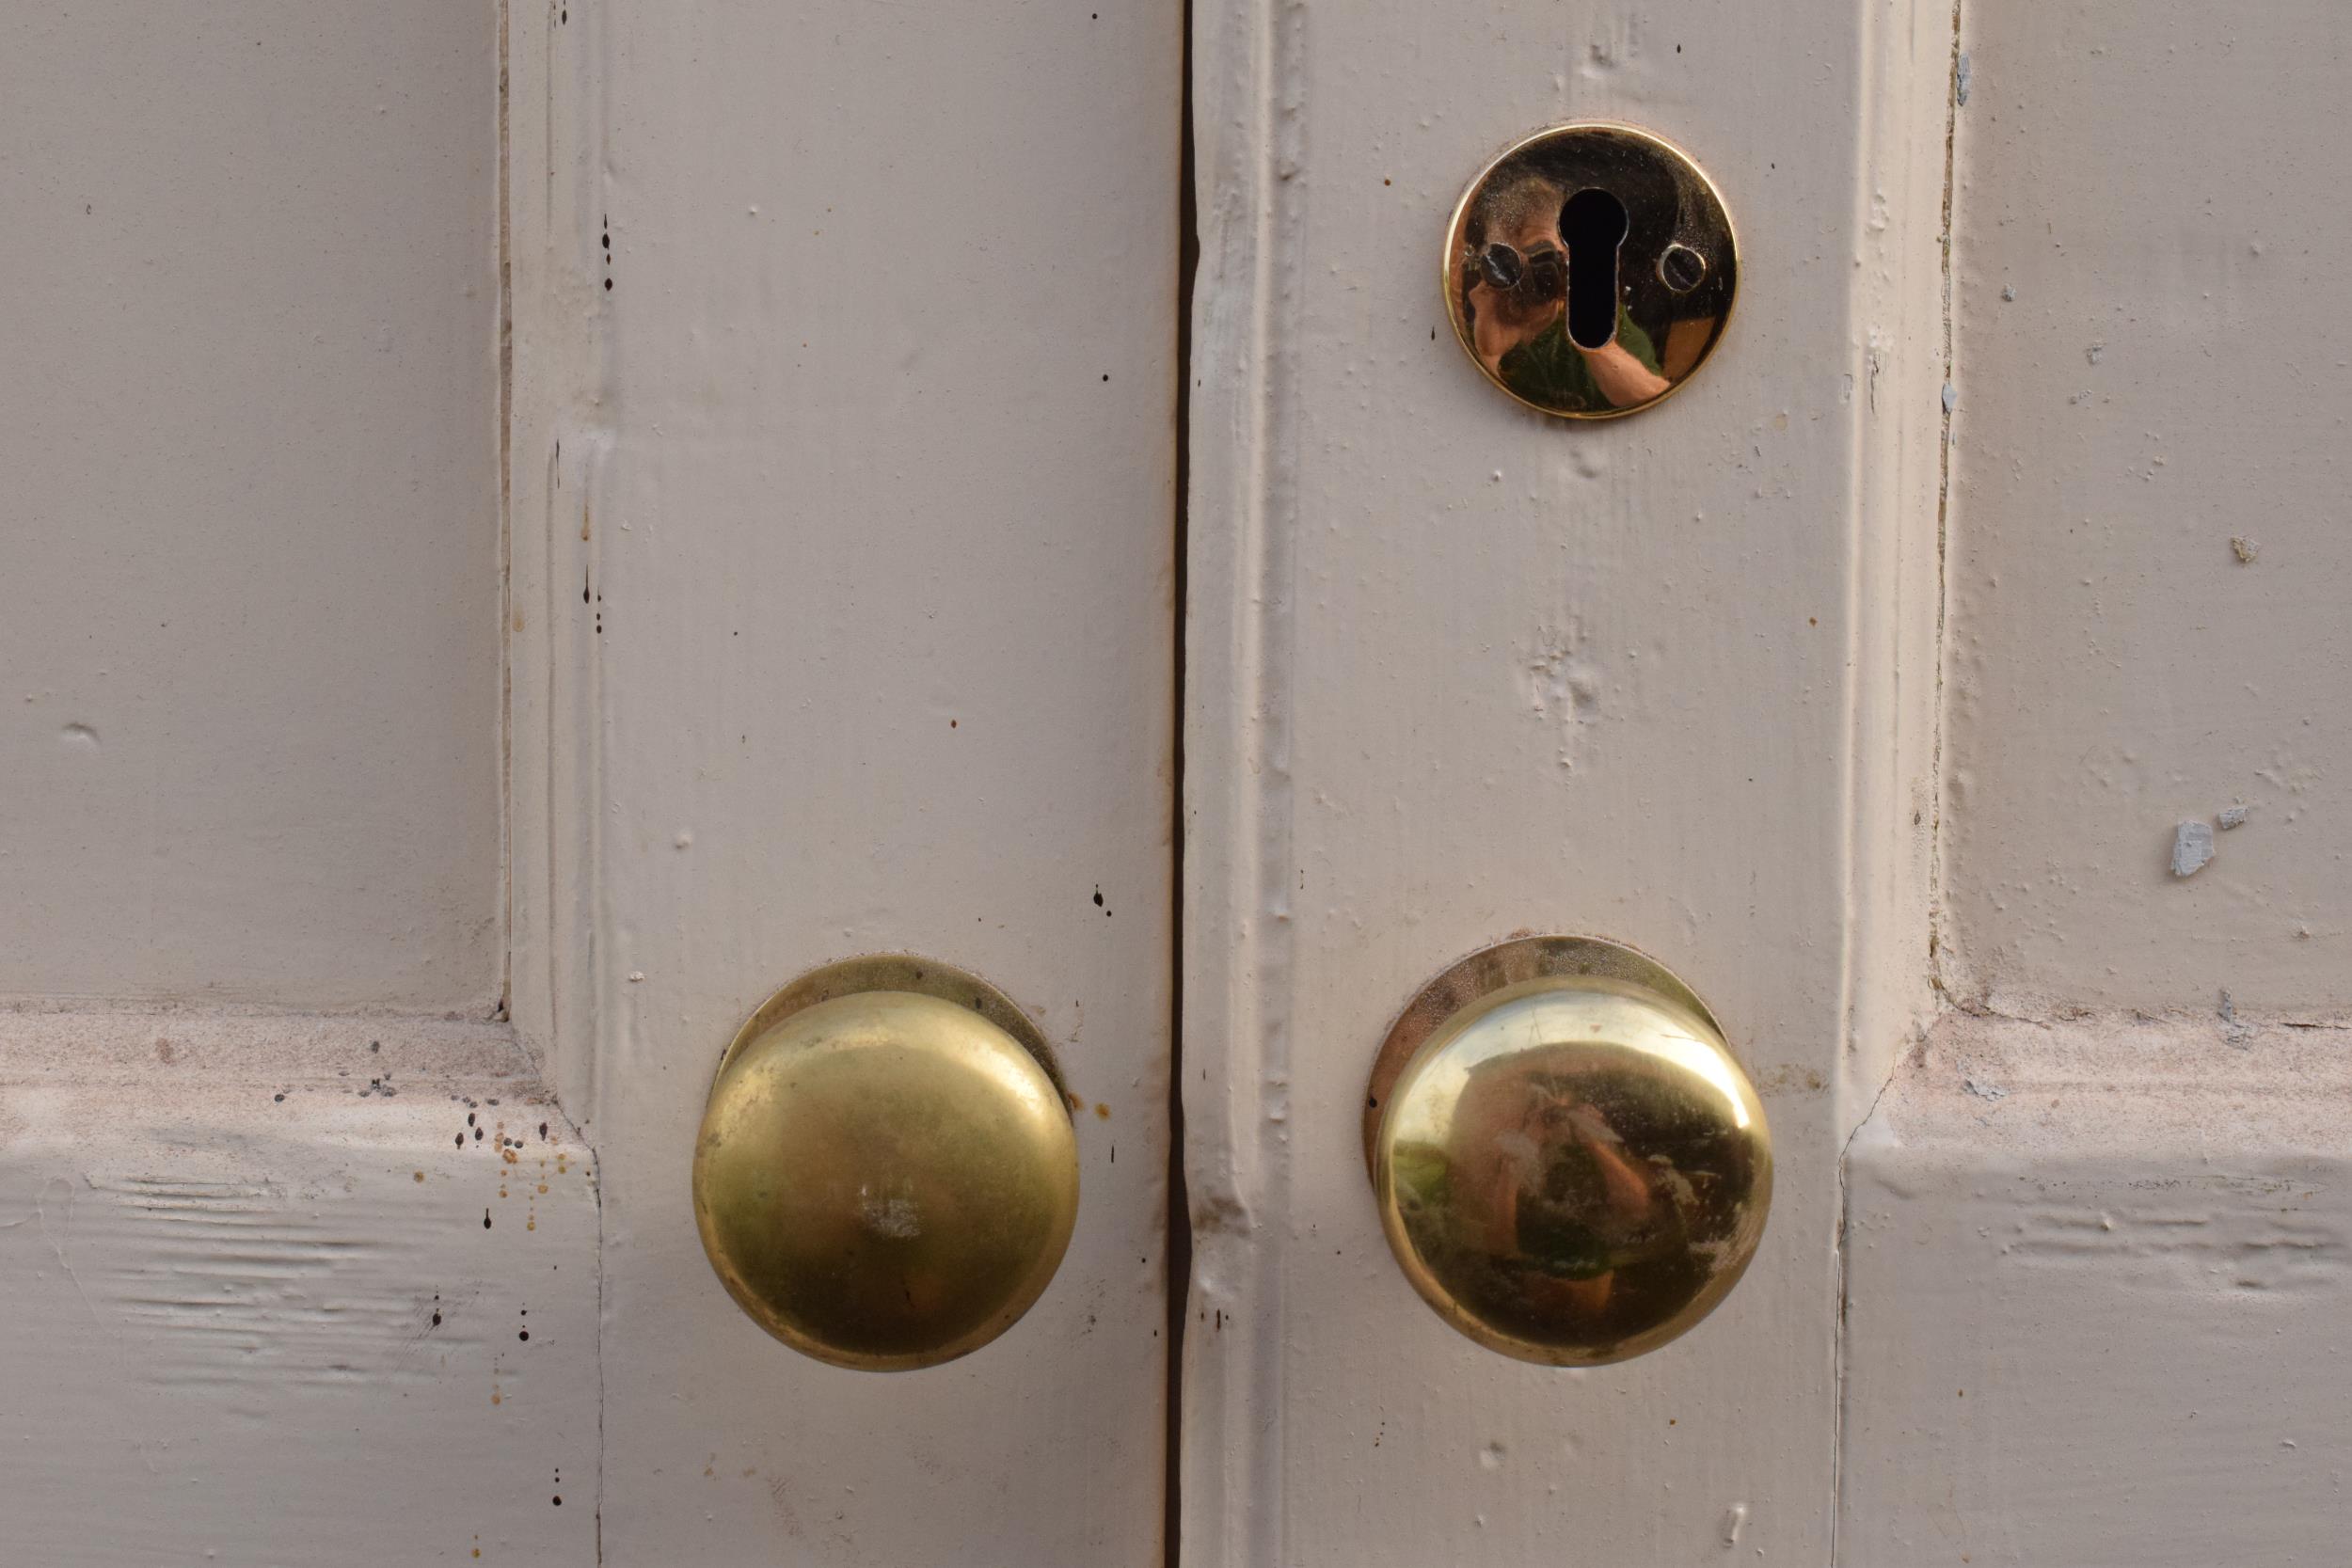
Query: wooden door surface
[1869, 683]
[532, 524]
[1462, 670]
[844, 510]
[2098, 1227]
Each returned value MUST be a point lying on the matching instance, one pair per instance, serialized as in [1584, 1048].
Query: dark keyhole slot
[1594, 225]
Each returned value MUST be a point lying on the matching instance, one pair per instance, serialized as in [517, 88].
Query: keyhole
[1594, 226]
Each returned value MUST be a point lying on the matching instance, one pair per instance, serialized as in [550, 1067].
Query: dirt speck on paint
[2244, 548]
[1790, 1080]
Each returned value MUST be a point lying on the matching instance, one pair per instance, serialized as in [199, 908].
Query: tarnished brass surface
[1569, 1166]
[887, 1176]
[1589, 270]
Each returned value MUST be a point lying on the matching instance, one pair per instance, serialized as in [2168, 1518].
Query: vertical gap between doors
[1179, 1202]
[506, 527]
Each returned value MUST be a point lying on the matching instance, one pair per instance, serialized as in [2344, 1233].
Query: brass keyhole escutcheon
[1589, 270]
[886, 1175]
[1570, 1165]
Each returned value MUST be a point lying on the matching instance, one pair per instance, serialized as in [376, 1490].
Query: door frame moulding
[1246, 76]
[557, 440]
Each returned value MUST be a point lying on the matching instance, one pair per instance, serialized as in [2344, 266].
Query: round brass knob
[887, 1176]
[1570, 1165]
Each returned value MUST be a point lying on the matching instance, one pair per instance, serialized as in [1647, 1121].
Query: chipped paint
[2192, 847]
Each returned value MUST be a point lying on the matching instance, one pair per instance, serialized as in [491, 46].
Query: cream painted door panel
[1867, 684]
[1463, 670]
[844, 507]
[531, 524]
[2100, 1227]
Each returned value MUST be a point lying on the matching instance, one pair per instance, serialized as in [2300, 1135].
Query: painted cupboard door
[844, 520]
[1460, 671]
[2100, 1227]
[281, 1188]
[532, 525]
[1946, 683]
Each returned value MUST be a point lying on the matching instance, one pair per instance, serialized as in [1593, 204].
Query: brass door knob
[887, 1176]
[1570, 1165]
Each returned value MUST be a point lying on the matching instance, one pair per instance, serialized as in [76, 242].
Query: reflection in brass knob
[1569, 1166]
[887, 1176]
